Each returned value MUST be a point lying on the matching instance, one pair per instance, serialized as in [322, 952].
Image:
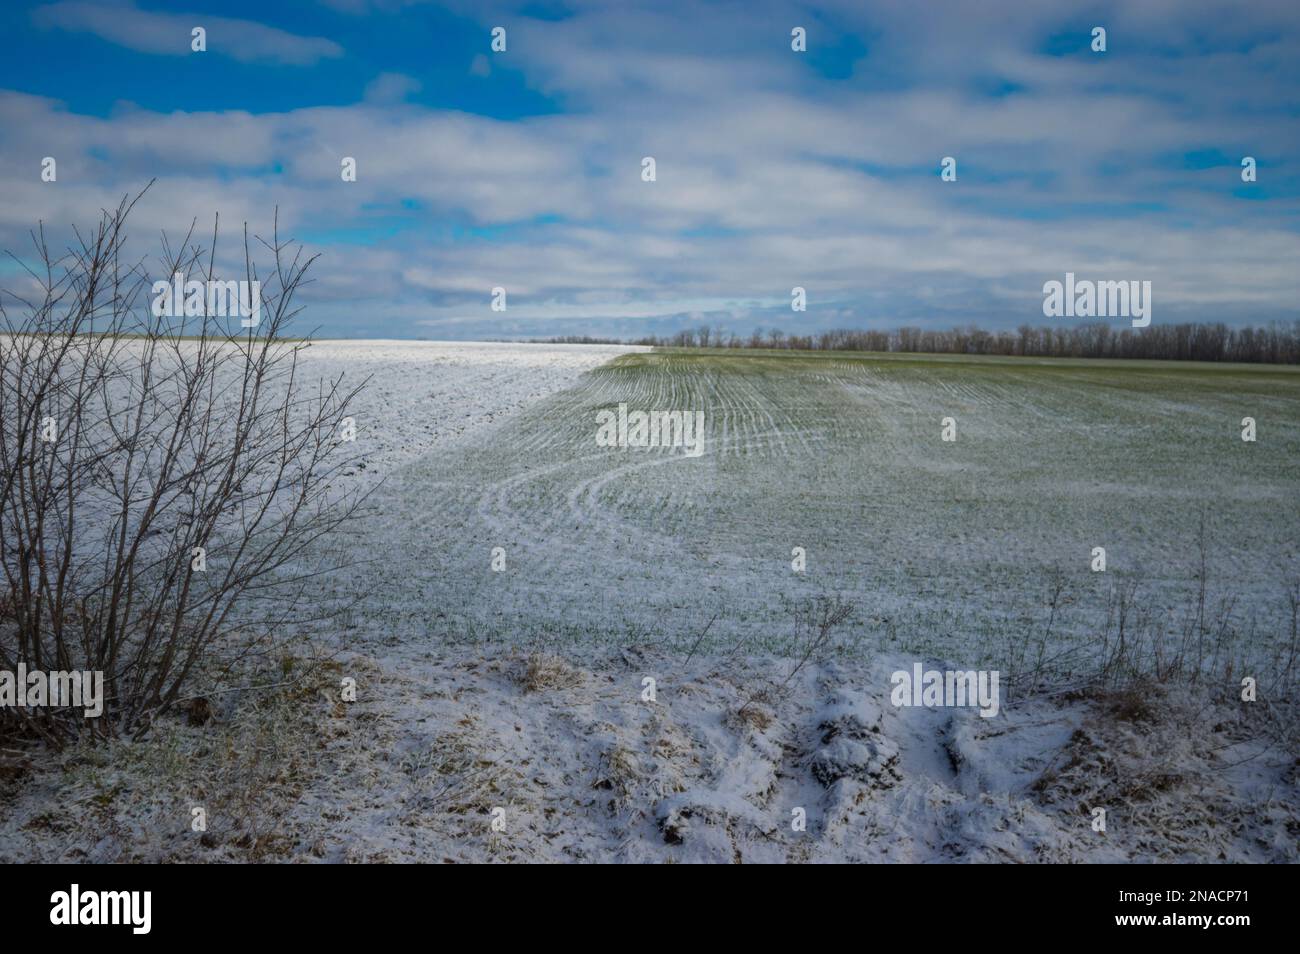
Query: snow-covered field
[505, 714]
[952, 548]
[423, 396]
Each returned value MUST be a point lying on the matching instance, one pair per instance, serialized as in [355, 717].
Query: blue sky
[522, 168]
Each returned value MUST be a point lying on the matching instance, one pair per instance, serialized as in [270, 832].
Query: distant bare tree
[162, 479]
[1277, 344]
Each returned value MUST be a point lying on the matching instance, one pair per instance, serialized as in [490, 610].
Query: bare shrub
[169, 434]
[1217, 636]
[814, 622]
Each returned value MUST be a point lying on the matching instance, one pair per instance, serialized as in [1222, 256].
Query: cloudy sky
[775, 168]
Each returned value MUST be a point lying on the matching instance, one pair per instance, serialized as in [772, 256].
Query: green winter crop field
[977, 550]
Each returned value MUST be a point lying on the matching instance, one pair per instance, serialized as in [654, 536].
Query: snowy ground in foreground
[584, 769]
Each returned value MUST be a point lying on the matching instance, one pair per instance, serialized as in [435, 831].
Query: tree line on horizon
[1274, 344]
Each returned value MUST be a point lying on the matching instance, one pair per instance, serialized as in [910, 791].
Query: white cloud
[168, 34]
[769, 175]
[391, 88]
